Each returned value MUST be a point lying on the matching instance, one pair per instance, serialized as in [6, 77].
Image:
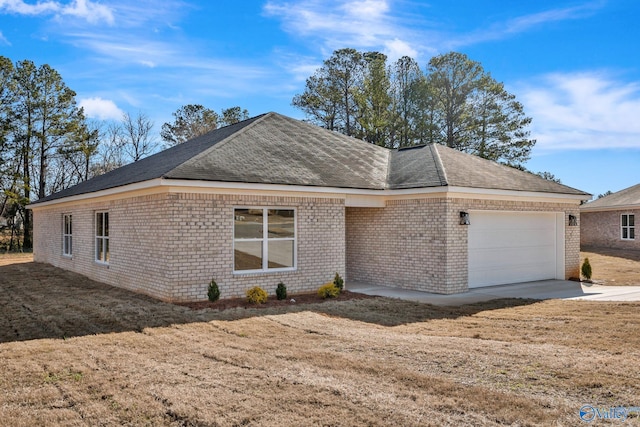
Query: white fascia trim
[496, 194]
[151, 186]
[611, 208]
[161, 185]
[402, 193]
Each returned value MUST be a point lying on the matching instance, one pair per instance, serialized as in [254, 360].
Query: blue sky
[575, 65]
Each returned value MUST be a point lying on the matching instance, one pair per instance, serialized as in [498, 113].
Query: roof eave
[585, 208]
[163, 184]
[137, 186]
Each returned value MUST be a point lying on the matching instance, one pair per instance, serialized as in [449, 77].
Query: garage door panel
[495, 257]
[510, 220]
[511, 247]
[506, 238]
[513, 274]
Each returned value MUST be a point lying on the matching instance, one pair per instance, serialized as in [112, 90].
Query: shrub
[281, 291]
[338, 282]
[328, 290]
[586, 269]
[213, 292]
[257, 295]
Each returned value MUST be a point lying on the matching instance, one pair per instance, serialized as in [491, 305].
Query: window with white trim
[264, 239]
[102, 237]
[67, 235]
[628, 227]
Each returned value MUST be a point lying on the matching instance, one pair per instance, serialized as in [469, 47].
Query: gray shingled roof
[274, 149]
[153, 166]
[280, 150]
[416, 167]
[467, 170]
[629, 197]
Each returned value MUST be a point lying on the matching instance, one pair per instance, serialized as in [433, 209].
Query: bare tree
[135, 136]
[111, 152]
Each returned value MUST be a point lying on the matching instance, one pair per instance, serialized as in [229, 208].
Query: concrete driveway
[546, 289]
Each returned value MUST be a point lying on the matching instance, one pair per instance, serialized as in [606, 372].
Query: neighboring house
[610, 221]
[275, 199]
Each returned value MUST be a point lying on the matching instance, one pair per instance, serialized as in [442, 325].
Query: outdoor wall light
[464, 218]
[573, 220]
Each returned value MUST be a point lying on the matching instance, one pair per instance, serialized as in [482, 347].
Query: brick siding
[602, 229]
[170, 246]
[419, 244]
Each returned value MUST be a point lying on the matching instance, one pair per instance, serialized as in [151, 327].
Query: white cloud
[22, 8]
[520, 24]
[149, 64]
[361, 24]
[91, 11]
[370, 10]
[133, 49]
[86, 9]
[396, 49]
[4, 40]
[302, 71]
[98, 108]
[583, 111]
[389, 26]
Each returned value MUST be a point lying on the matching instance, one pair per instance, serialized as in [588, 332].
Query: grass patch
[131, 360]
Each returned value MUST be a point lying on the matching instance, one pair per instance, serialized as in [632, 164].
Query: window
[628, 227]
[102, 237]
[264, 239]
[67, 235]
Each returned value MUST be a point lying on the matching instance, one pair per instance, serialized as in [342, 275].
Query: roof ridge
[387, 177]
[442, 172]
[222, 142]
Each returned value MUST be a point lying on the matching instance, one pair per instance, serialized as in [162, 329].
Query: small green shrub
[257, 295]
[338, 282]
[213, 292]
[281, 291]
[586, 269]
[328, 290]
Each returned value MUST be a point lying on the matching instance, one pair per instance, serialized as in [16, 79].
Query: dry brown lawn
[77, 352]
[613, 266]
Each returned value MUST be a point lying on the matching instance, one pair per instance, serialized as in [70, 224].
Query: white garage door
[513, 247]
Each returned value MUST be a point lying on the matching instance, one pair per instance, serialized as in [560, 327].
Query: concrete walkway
[546, 289]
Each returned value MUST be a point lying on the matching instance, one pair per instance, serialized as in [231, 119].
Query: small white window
[67, 235]
[264, 239]
[102, 237]
[628, 227]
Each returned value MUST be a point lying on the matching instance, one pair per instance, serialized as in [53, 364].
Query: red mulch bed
[307, 298]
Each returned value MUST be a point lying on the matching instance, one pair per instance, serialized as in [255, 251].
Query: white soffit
[353, 196]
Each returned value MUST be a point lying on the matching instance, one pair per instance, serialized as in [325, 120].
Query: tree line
[453, 102]
[48, 144]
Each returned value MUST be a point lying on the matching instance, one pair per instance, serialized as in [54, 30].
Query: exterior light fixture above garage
[464, 218]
